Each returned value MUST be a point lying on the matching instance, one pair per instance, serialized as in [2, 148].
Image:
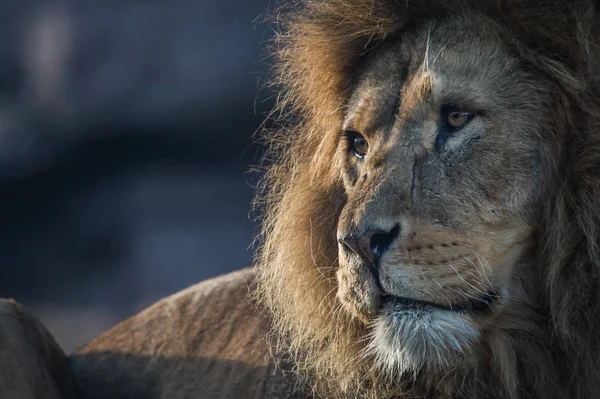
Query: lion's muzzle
[370, 246]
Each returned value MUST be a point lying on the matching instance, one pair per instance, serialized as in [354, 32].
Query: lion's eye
[455, 118]
[452, 120]
[357, 144]
[458, 119]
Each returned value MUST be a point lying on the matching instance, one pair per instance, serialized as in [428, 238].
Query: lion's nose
[372, 244]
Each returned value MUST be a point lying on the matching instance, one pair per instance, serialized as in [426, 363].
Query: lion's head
[433, 205]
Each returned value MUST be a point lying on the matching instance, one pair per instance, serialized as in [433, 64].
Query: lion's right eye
[357, 144]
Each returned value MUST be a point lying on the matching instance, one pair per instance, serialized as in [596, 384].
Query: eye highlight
[357, 144]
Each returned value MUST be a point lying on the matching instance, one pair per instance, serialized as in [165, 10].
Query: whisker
[426, 59]
[442, 49]
[461, 278]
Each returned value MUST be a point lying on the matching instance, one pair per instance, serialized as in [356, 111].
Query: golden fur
[206, 342]
[319, 305]
[544, 347]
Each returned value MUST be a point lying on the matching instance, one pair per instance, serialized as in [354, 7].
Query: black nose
[372, 244]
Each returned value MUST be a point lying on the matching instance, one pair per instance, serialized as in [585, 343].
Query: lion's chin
[408, 336]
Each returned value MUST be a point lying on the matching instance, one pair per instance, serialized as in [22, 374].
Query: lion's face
[440, 151]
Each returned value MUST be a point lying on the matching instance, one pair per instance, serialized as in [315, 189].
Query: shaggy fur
[208, 341]
[319, 45]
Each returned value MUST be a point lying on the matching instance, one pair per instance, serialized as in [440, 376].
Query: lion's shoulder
[207, 339]
[198, 312]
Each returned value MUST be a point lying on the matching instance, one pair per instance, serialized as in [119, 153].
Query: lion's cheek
[357, 291]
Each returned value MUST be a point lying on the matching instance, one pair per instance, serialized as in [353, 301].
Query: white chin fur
[404, 340]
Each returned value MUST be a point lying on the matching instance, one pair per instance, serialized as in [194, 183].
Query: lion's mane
[317, 46]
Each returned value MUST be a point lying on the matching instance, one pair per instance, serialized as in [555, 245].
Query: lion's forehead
[463, 68]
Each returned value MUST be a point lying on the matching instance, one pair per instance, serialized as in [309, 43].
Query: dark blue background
[125, 137]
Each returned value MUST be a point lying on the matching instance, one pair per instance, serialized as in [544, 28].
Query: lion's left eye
[455, 118]
[452, 119]
[458, 119]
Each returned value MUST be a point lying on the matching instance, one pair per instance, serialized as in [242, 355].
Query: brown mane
[209, 340]
[318, 45]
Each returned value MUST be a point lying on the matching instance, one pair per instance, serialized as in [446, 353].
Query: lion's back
[207, 341]
[32, 365]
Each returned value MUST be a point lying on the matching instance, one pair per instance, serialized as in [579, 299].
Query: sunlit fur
[410, 342]
[552, 354]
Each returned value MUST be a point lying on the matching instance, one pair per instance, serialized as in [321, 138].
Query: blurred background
[125, 140]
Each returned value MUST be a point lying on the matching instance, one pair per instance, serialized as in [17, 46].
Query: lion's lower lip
[476, 305]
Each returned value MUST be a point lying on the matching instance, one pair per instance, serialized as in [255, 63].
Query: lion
[431, 221]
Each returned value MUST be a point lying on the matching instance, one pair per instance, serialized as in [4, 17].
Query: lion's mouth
[482, 304]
